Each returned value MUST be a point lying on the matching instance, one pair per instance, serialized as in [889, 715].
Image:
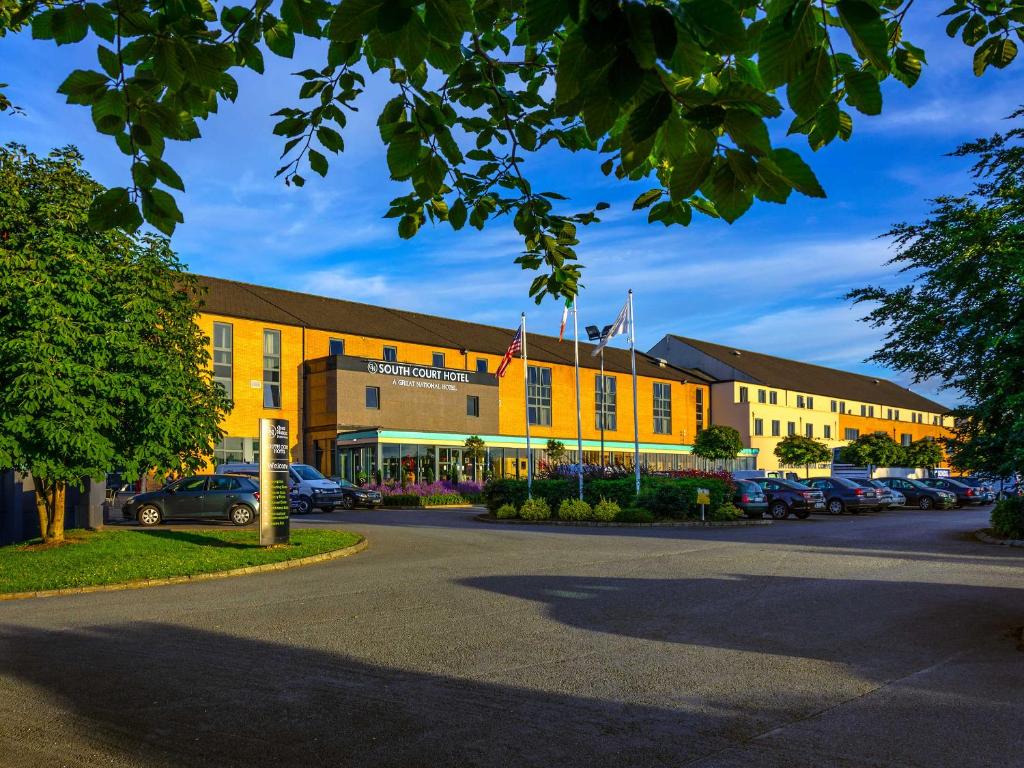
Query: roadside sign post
[274, 466]
[703, 497]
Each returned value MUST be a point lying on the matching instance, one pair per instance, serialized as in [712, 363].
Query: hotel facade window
[481, 365]
[662, 408]
[758, 427]
[791, 428]
[223, 356]
[809, 430]
[835, 406]
[699, 399]
[390, 354]
[776, 427]
[800, 403]
[438, 360]
[744, 394]
[851, 433]
[373, 398]
[538, 395]
[842, 406]
[472, 405]
[605, 403]
[826, 431]
[810, 402]
[906, 439]
[271, 369]
[773, 398]
[336, 347]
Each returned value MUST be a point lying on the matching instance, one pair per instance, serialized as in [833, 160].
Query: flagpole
[636, 423]
[526, 404]
[579, 423]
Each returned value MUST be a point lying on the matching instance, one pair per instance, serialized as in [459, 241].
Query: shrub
[634, 515]
[499, 492]
[506, 511]
[401, 500]
[1008, 517]
[535, 509]
[574, 509]
[727, 511]
[675, 499]
[439, 499]
[606, 510]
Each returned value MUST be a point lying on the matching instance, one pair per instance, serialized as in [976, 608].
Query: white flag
[621, 325]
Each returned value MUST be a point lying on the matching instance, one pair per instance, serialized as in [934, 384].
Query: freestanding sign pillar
[274, 464]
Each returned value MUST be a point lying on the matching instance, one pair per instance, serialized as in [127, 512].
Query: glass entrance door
[449, 462]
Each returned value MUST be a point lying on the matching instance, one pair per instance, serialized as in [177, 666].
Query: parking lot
[888, 639]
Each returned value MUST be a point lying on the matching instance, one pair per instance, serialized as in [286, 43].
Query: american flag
[513, 349]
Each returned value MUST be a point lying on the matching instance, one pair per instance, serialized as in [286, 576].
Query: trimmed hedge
[574, 509]
[671, 497]
[506, 511]
[412, 500]
[1008, 517]
[606, 510]
[535, 509]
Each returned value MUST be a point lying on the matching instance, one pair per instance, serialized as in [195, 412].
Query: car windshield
[918, 484]
[307, 472]
[747, 486]
[345, 484]
[795, 485]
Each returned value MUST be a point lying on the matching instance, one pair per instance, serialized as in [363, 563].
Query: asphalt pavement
[890, 639]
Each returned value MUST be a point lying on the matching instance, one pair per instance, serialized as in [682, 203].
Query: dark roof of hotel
[274, 305]
[815, 379]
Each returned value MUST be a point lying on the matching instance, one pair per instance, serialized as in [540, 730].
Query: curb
[298, 562]
[613, 524]
[982, 536]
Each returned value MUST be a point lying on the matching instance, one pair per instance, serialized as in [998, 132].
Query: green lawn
[113, 557]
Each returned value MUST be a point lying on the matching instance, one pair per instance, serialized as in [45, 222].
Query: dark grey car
[844, 495]
[199, 497]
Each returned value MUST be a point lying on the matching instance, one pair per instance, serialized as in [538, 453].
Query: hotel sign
[418, 376]
[446, 375]
[274, 472]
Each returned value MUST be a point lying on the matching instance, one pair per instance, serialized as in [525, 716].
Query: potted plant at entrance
[409, 466]
[475, 450]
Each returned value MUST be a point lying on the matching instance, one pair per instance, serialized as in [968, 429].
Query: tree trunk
[50, 498]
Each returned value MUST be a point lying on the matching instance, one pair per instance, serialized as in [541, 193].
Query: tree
[961, 321]
[675, 92]
[104, 365]
[717, 443]
[874, 450]
[925, 452]
[797, 450]
[475, 450]
[556, 450]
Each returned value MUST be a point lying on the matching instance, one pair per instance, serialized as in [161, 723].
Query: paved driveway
[881, 640]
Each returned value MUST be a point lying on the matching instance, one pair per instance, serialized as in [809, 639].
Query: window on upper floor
[744, 394]
[773, 398]
[538, 395]
[810, 402]
[851, 433]
[826, 431]
[698, 396]
[437, 360]
[791, 428]
[605, 403]
[271, 369]
[835, 406]
[391, 354]
[809, 430]
[762, 395]
[481, 365]
[906, 439]
[472, 405]
[662, 408]
[373, 397]
[776, 428]
[223, 356]
[758, 427]
[336, 347]
[800, 402]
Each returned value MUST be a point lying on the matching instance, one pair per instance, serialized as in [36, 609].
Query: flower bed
[438, 493]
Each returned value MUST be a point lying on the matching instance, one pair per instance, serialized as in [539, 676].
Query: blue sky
[772, 282]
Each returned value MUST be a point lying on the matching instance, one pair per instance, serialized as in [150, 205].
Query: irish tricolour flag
[565, 318]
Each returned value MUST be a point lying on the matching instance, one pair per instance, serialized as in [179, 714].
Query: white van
[314, 490]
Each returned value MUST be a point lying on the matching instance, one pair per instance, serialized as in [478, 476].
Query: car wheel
[241, 514]
[305, 505]
[149, 516]
[802, 514]
[926, 502]
[778, 510]
[835, 506]
[347, 502]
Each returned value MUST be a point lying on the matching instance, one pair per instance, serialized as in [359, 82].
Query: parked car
[313, 489]
[785, 496]
[844, 495]
[207, 497]
[890, 496]
[981, 485]
[750, 498]
[920, 495]
[965, 494]
[354, 496]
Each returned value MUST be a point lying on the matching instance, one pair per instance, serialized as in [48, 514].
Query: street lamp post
[598, 335]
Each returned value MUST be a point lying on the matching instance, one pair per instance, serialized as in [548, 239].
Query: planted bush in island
[535, 509]
[1008, 517]
[606, 510]
[726, 512]
[506, 511]
[574, 509]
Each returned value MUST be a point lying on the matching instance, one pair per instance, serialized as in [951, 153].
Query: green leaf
[794, 170]
[160, 210]
[403, 151]
[457, 214]
[864, 24]
[543, 17]
[330, 138]
[640, 37]
[108, 60]
[448, 20]
[69, 24]
[83, 86]
[975, 30]
[748, 131]
[845, 126]
[826, 125]
[812, 85]
[771, 186]
[114, 208]
[718, 23]
[647, 198]
[352, 19]
[689, 174]
[907, 67]
[280, 40]
[727, 191]
[166, 174]
[101, 20]
[647, 118]
[784, 44]
[165, 63]
[863, 92]
[317, 162]
[407, 226]
[109, 112]
[142, 175]
[998, 52]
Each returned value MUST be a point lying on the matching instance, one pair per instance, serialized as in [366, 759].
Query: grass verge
[90, 558]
